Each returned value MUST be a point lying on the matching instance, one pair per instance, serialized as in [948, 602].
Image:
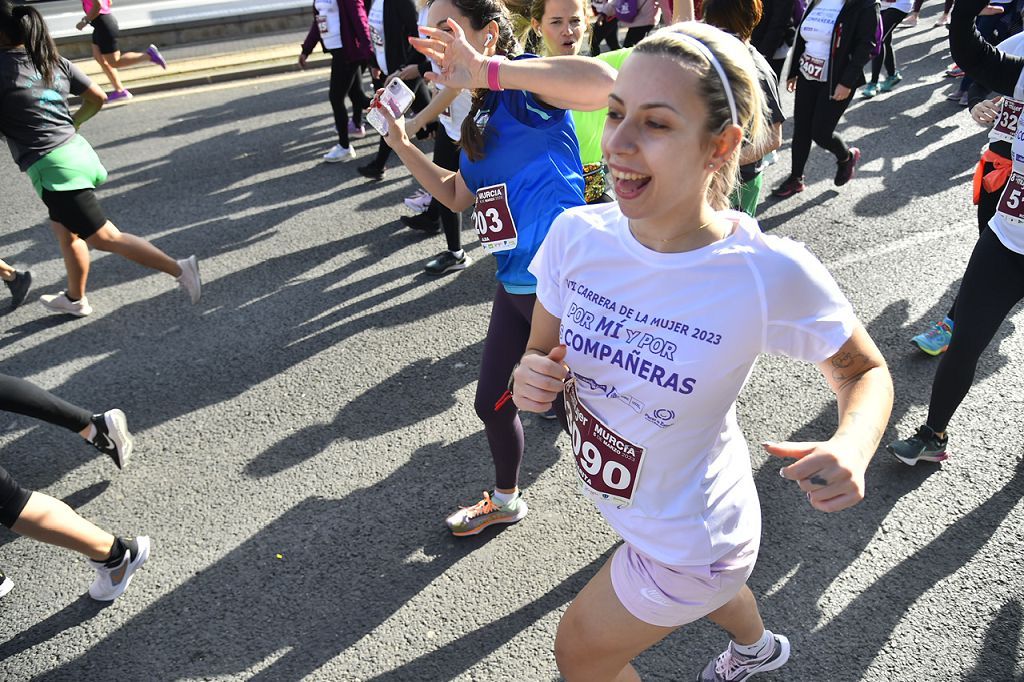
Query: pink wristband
[493, 67]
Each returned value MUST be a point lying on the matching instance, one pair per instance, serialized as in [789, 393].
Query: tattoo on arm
[847, 365]
[818, 480]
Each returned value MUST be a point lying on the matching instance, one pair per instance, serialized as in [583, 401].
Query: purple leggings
[507, 335]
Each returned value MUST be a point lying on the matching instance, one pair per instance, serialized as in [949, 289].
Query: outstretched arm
[579, 83]
[986, 64]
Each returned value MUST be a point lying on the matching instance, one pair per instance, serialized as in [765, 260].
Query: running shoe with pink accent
[472, 520]
[732, 666]
[419, 201]
[846, 169]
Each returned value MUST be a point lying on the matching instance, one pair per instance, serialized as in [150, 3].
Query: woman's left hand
[842, 93]
[397, 135]
[461, 65]
[81, 24]
[830, 472]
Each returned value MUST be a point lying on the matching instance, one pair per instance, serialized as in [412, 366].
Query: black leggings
[987, 203]
[634, 34]
[22, 397]
[891, 17]
[815, 117]
[346, 82]
[446, 155]
[606, 31]
[507, 334]
[993, 284]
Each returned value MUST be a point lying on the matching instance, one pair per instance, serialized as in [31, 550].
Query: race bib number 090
[608, 465]
[493, 219]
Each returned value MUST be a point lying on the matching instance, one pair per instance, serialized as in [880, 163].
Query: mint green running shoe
[936, 340]
[890, 82]
[869, 91]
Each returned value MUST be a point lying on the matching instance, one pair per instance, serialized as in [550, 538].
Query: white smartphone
[397, 97]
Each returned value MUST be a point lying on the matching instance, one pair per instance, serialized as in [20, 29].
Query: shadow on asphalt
[999, 655]
[253, 613]
[72, 615]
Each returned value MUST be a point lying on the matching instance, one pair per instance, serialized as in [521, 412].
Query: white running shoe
[60, 303]
[113, 437]
[189, 278]
[339, 153]
[732, 666]
[112, 581]
[419, 201]
[6, 585]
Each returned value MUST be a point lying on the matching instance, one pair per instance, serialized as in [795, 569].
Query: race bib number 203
[493, 219]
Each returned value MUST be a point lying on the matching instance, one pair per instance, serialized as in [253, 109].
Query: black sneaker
[846, 169]
[371, 171]
[113, 437]
[924, 446]
[422, 223]
[446, 262]
[5, 584]
[792, 185]
[19, 287]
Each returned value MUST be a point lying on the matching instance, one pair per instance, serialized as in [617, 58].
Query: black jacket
[400, 23]
[775, 28]
[854, 39]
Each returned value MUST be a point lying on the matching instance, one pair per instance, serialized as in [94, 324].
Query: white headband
[710, 56]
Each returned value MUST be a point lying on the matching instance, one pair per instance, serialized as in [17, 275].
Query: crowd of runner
[617, 193]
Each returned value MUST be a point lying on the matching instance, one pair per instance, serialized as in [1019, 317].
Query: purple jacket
[355, 32]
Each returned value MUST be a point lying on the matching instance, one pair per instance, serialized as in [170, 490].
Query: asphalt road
[303, 431]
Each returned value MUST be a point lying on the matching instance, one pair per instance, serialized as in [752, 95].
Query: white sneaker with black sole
[113, 437]
[112, 580]
[189, 278]
[60, 303]
[732, 666]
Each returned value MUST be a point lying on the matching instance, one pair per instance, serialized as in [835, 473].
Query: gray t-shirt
[35, 118]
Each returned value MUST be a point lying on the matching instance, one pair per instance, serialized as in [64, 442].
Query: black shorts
[13, 499]
[78, 210]
[104, 33]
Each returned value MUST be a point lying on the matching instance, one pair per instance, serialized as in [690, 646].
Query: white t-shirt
[816, 30]
[328, 19]
[1008, 221]
[452, 117]
[660, 345]
[376, 21]
[906, 6]
[1005, 126]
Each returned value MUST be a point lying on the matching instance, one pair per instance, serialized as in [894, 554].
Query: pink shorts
[670, 596]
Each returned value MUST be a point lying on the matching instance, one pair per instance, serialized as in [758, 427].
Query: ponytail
[25, 26]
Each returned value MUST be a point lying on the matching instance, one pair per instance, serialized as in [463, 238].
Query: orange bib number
[608, 465]
[493, 219]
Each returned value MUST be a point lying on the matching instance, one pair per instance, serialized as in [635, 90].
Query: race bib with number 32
[608, 465]
[493, 219]
[1005, 127]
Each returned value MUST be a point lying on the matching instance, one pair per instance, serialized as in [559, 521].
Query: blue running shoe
[935, 341]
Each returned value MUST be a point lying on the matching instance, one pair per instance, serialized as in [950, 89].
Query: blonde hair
[525, 12]
[741, 78]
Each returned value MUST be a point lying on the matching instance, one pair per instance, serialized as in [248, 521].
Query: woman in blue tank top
[520, 167]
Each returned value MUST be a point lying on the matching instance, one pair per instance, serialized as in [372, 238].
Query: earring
[711, 165]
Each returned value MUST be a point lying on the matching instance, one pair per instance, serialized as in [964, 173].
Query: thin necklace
[679, 236]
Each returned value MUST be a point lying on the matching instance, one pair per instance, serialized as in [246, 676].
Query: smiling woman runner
[659, 305]
[35, 83]
[520, 163]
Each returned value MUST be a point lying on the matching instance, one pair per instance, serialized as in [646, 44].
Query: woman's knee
[106, 238]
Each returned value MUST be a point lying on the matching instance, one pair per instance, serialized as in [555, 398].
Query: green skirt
[73, 165]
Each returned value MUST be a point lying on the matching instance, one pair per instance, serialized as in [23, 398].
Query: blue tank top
[534, 153]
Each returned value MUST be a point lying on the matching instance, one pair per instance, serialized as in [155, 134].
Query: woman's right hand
[461, 65]
[538, 380]
[985, 112]
[791, 85]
